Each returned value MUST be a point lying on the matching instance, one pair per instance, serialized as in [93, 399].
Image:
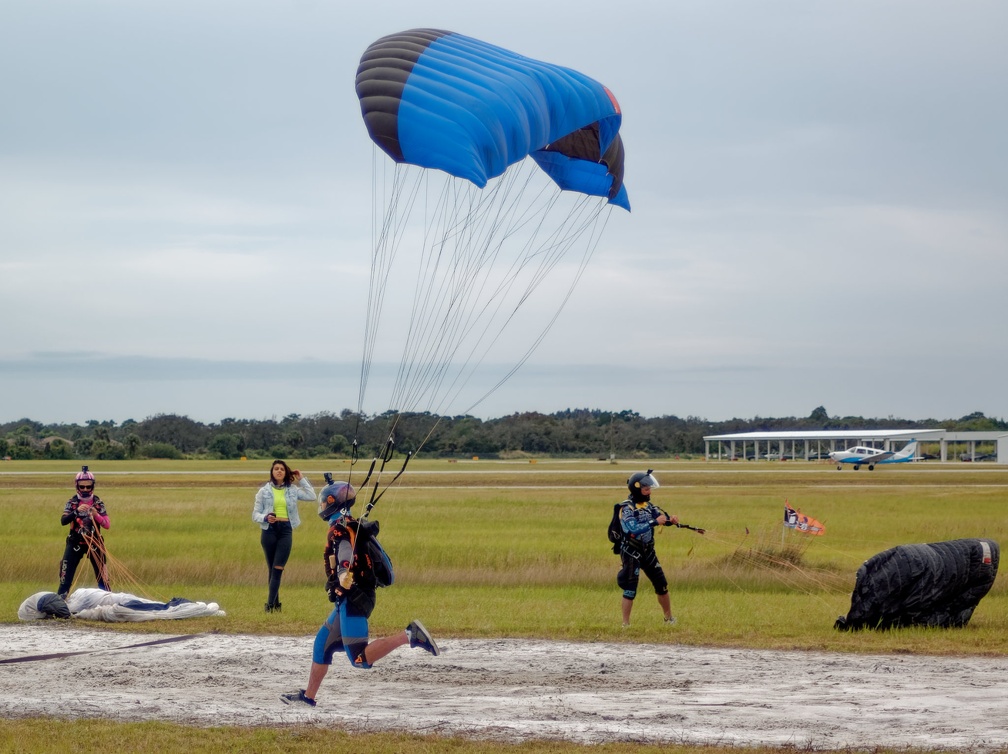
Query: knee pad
[626, 579]
[355, 653]
[660, 583]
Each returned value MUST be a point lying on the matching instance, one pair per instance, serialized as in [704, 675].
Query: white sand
[517, 689]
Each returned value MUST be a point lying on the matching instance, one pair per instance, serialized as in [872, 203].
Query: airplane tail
[908, 452]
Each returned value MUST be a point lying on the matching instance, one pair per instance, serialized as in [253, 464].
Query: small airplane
[860, 456]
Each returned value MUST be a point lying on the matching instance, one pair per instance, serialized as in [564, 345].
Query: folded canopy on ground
[112, 607]
[938, 584]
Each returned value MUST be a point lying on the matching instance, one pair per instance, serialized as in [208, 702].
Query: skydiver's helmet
[335, 497]
[84, 482]
[638, 480]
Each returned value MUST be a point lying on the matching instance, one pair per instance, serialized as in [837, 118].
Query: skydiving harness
[618, 537]
[372, 559]
[376, 560]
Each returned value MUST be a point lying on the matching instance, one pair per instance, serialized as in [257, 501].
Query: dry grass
[507, 549]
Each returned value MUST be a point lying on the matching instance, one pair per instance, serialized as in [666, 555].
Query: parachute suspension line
[590, 225]
[417, 352]
[113, 570]
[451, 280]
[781, 569]
[385, 247]
[467, 289]
[386, 240]
[477, 237]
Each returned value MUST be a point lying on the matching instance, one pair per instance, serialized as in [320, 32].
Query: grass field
[485, 548]
[494, 548]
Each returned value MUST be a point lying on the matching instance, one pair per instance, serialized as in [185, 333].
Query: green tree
[819, 415]
[132, 443]
[226, 445]
[83, 447]
[59, 449]
[160, 450]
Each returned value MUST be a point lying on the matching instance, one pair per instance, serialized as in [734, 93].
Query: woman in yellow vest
[276, 512]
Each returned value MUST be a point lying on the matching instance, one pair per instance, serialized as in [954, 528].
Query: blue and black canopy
[445, 101]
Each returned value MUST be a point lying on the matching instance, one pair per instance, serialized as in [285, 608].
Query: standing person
[355, 565]
[86, 515]
[276, 512]
[638, 518]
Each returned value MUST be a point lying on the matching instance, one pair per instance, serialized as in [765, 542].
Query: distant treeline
[574, 432]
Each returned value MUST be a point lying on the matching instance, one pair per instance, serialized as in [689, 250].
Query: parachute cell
[442, 100]
[938, 584]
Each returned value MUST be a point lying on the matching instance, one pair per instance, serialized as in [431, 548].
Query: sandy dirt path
[517, 689]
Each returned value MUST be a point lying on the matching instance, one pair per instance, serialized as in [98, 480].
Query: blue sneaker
[419, 637]
[297, 697]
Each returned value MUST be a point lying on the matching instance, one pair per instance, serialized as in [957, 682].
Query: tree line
[572, 432]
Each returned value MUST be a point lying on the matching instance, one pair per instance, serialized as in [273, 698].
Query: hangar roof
[833, 434]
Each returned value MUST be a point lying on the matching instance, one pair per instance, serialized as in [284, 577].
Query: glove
[345, 580]
[332, 588]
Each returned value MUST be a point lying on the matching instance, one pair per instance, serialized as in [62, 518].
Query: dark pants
[633, 561]
[277, 540]
[76, 548]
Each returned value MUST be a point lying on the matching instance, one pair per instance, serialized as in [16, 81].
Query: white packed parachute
[112, 607]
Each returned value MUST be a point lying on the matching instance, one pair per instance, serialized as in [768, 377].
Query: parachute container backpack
[494, 175]
[938, 584]
[616, 528]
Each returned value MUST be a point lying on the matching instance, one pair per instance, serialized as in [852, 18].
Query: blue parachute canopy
[442, 100]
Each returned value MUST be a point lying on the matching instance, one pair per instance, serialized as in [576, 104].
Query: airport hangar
[818, 443]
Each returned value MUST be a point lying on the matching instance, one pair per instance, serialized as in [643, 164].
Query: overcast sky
[819, 191]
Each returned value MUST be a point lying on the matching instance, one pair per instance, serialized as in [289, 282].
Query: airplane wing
[875, 458]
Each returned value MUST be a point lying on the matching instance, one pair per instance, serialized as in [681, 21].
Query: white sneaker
[670, 621]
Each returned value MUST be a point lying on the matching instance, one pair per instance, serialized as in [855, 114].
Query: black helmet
[335, 497]
[638, 480]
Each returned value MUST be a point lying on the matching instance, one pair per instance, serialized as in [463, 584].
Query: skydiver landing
[86, 515]
[355, 566]
[638, 518]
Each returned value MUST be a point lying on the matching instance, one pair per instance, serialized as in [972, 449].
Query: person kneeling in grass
[355, 567]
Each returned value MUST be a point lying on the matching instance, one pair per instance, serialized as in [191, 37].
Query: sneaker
[297, 697]
[419, 637]
[670, 621]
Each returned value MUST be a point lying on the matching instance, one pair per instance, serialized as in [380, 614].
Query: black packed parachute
[938, 584]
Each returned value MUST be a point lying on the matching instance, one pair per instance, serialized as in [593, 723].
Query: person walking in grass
[355, 566]
[638, 519]
[276, 511]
